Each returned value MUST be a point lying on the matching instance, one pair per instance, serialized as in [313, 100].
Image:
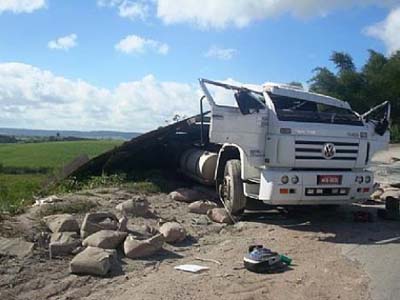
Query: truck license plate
[329, 179]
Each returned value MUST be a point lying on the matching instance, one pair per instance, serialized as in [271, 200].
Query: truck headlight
[284, 179]
[359, 179]
[295, 179]
[368, 179]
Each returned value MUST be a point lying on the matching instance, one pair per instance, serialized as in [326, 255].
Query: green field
[35, 162]
[50, 154]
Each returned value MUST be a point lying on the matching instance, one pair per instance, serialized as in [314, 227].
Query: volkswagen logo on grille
[329, 150]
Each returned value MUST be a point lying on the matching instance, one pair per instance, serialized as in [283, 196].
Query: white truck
[282, 145]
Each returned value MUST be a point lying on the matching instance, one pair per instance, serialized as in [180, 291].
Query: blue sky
[131, 65]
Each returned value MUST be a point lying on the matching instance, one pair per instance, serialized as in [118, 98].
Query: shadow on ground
[338, 223]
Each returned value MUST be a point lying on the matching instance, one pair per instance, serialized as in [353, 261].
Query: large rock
[62, 223]
[134, 248]
[219, 215]
[93, 261]
[63, 243]
[123, 224]
[186, 195]
[201, 207]
[142, 231]
[173, 232]
[94, 222]
[106, 239]
[15, 247]
[137, 206]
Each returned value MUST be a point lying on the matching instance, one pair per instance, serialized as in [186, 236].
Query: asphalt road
[380, 258]
[382, 264]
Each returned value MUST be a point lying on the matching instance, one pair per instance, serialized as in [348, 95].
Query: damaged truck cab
[282, 145]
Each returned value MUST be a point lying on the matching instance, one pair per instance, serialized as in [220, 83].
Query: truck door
[378, 121]
[244, 125]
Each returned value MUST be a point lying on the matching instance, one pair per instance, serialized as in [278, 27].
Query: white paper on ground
[191, 268]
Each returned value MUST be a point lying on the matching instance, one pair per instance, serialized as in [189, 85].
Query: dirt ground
[311, 237]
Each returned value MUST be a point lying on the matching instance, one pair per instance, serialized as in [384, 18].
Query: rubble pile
[97, 241]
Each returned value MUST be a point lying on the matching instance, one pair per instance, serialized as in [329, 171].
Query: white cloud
[221, 53]
[63, 43]
[133, 10]
[136, 44]
[239, 13]
[128, 8]
[388, 31]
[21, 6]
[35, 98]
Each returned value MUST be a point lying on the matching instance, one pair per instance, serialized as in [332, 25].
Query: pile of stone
[198, 204]
[64, 238]
[96, 241]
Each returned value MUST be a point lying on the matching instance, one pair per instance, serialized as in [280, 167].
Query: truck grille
[315, 150]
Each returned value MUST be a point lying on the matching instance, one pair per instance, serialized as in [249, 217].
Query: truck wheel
[231, 188]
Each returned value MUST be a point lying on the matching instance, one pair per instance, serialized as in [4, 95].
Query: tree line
[376, 81]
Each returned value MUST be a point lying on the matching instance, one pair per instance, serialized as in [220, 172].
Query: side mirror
[381, 127]
[247, 102]
[379, 116]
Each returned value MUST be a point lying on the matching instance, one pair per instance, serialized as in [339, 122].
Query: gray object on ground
[94, 222]
[137, 206]
[186, 195]
[15, 247]
[134, 248]
[201, 207]
[173, 232]
[106, 239]
[219, 215]
[63, 243]
[62, 223]
[93, 261]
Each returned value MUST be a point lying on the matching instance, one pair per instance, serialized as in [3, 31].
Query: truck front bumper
[308, 191]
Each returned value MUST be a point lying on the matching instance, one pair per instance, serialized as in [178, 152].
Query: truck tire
[231, 188]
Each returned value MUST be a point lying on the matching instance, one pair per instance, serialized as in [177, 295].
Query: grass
[51, 154]
[24, 167]
[18, 190]
[146, 183]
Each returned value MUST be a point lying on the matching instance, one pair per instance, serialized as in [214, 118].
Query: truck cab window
[249, 102]
[300, 110]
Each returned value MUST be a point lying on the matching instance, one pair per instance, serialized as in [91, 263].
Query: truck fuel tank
[199, 165]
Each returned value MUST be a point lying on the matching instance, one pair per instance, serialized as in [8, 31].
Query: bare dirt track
[312, 237]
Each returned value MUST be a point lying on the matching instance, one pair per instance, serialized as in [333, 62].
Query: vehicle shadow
[339, 223]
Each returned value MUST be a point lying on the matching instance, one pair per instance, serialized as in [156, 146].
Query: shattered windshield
[299, 110]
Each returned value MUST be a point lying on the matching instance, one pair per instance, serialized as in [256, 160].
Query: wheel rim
[224, 190]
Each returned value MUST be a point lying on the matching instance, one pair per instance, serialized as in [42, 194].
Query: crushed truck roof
[279, 89]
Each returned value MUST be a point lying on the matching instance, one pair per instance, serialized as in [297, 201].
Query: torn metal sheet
[160, 148]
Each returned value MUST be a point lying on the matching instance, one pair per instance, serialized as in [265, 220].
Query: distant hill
[115, 135]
